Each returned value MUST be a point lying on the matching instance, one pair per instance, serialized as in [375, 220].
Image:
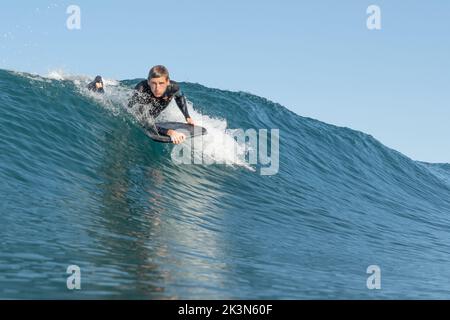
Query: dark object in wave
[96, 85]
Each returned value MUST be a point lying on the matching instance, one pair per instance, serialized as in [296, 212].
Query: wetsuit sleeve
[162, 131]
[180, 99]
[91, 86]
[135, 98]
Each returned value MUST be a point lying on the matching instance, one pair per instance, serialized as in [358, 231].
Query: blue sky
[317, 58]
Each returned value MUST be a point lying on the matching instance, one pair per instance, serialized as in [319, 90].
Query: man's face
[158, 86]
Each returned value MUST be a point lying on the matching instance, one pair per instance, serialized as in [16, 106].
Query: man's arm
[91, 86]
[180, 99]
[182, 104]
[136, 97]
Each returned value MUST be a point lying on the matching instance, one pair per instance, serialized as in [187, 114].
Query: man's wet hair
[158, 71]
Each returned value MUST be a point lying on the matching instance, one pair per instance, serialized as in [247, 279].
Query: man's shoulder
[142, 86]
[174, 88]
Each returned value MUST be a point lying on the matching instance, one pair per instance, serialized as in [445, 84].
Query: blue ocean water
[81, 184]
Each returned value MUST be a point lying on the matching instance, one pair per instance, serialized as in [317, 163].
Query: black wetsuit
[91, 86]
[143, 95]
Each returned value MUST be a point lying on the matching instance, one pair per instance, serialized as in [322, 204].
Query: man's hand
[177, 137]
[190, 121]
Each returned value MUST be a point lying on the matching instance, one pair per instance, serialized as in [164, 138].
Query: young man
[157, 92]
[96, 85]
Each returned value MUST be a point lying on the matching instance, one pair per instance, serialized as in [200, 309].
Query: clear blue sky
[317, 58]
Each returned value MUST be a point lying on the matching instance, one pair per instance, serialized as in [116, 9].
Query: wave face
[83, 185]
